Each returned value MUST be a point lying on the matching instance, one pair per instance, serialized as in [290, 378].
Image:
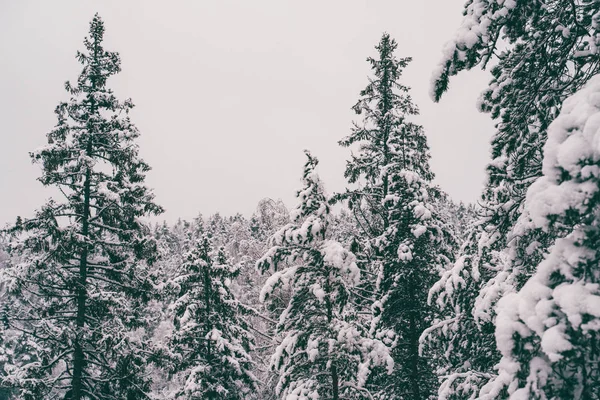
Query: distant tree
[12, 346]
[326, 351]
[269, 216]
[407, 237]
[343, 228]
[79, 291]
[210, 341]
[217, 228]
[244, 242]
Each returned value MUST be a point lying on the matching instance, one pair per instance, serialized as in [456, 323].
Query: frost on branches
[549, 331]
[210, 341]
[83, 277]
[325, 349]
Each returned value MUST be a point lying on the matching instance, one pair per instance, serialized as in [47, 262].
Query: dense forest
[387, 290]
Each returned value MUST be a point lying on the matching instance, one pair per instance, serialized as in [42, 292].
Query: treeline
[400, 295]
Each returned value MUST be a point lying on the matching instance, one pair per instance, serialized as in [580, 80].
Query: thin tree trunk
[335, 383]
[334, 373]
[207, 296]
[414, 347]
[207, 300]
[78, 356]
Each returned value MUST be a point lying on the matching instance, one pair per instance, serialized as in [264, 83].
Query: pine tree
[408, 240]
[211, 340]
[80, 289]
[549, 331]
[543, 52]
[325, 351]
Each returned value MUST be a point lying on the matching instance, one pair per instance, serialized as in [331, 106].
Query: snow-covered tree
[13, 349]
[542, 52]
[395, 205]
[271, 214]
[244, 242]
[549, 331]
[210, 341]
[325, 350]
[268, 218]
[463, 342]
[79, 289]
[343, 228]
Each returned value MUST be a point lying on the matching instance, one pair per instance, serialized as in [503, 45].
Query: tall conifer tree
[325, 351]
[80, 288]
[409, 240]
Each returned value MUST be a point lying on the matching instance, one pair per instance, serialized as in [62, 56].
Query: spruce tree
[407, 239]
[325, 350]
[543, 52]
[84, 277]
[210, 341]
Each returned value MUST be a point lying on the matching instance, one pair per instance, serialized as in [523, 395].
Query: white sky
[228, 93]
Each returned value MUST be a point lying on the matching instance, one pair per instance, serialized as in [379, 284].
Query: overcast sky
[229, 93]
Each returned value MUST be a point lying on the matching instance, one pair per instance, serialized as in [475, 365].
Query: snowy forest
[389, 289]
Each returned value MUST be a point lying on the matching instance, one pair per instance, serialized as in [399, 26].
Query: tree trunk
[414, 347]
[78, 356]
[335, 383]
[207, 300]
[334, 373]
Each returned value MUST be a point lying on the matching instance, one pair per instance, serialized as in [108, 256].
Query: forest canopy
[388, 289]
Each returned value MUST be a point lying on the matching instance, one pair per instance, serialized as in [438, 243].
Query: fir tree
[408, 239]
[80, 288]
[325, 351]
[211, 340]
